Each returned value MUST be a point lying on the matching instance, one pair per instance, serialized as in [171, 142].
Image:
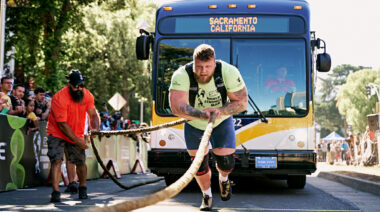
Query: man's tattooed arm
[191, 113]
[238, 102]
[180, 106]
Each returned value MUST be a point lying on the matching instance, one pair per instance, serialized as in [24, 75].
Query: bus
[271, 44]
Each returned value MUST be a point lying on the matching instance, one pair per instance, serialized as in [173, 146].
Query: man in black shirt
[18, 106]
[42, 107]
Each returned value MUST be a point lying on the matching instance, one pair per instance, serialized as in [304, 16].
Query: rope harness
[169, 191]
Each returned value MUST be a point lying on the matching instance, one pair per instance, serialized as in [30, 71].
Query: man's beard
[203, 80]
[76, 95]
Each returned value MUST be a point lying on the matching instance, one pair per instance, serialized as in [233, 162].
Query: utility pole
[3, 7]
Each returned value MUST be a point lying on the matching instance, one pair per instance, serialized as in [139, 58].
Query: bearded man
[197, 90]
[65, 131]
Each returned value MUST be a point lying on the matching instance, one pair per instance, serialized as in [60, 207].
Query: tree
[38, 28]
[326, 112]
[105, 53]
[352, 98]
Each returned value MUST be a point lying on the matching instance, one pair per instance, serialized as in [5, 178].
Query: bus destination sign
[233, 24]
[230, 24]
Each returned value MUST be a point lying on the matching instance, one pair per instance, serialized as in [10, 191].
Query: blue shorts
[223, 135]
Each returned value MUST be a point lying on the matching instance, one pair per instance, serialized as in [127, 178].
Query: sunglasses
[78, 86]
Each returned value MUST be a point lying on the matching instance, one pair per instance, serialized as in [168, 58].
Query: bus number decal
[233, 24]
[237, 122]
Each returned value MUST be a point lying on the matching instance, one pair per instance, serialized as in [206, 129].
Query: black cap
[75, 77]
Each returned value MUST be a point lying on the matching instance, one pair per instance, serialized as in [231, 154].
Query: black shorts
[57, 147]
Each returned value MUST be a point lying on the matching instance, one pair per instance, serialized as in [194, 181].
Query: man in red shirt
[65, 129]
[280, 84]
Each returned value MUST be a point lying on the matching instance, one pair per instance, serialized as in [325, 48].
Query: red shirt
[277, 85]
[64, 109]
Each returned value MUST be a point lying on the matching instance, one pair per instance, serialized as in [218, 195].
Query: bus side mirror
[323, 62]
[142, 45]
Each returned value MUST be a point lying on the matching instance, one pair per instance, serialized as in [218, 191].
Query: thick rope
[113, 178]
[140, 130]
[171, 190]
[124, 132]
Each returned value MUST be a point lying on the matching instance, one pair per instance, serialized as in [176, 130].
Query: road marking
[236, 209]
[285, 209]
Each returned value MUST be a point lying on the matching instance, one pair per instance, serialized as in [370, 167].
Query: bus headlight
[292, 137]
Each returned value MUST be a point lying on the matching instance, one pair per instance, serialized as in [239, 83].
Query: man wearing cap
[65, 129]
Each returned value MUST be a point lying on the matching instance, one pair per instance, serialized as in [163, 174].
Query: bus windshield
[274, 71]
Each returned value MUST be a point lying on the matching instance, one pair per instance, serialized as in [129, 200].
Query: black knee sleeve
[203, 169]
[226, 162]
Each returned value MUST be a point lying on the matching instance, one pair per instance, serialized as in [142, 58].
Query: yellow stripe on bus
[274, 125]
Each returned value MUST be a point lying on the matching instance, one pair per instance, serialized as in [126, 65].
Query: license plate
[266, 162]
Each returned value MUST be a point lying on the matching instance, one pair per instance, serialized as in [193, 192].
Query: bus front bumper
[288, 162]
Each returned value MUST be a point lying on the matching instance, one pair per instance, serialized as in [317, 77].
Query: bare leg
[204, 181]
[55, 174]
[70, 171]
[82, 174]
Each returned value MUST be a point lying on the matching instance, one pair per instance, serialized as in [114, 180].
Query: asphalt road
[256, 194]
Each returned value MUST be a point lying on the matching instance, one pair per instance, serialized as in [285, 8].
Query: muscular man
[65, 129]
[209, 97]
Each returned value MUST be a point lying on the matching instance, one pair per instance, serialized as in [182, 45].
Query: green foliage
[327, 115]
[35, 32]
[326, 111]
[352, 99]
[105, 53]
[336, 78]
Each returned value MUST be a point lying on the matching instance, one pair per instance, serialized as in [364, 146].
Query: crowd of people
[360, 150]
[34, 103]
[25, 101]
[71, 114]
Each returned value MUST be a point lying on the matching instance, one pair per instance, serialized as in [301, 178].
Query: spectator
[31, 116]
[42, 107]
[6, 87]
[105, 124]
[324, 150]
[117, 120]
[344, 149]
[104, 108]
[18, 105]
[30, 85]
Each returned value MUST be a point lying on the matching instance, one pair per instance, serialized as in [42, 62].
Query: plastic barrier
[24, 162]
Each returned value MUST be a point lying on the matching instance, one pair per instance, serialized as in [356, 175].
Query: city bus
[271, 44]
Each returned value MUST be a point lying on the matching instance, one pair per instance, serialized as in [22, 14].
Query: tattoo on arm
[187, 110]
[236, 106]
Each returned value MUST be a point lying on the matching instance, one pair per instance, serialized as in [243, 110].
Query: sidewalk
[100, 192]
[362, 178]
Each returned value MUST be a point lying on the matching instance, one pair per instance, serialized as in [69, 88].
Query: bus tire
[296, 181]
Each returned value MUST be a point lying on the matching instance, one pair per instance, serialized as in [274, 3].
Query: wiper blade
[251, 102]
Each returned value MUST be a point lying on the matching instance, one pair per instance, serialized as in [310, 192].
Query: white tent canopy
[333, 137]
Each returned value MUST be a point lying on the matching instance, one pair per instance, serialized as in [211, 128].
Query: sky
[350, 28]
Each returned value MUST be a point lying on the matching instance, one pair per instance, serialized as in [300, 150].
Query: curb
[358, 184]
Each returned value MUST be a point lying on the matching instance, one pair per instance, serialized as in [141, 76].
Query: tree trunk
[125, 109]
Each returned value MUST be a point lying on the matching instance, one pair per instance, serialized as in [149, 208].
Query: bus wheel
[296, 181]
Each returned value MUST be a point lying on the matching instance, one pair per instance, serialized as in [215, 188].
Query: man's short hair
[18, 85]
[39, 90]
[204, 52]
[4, 78]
